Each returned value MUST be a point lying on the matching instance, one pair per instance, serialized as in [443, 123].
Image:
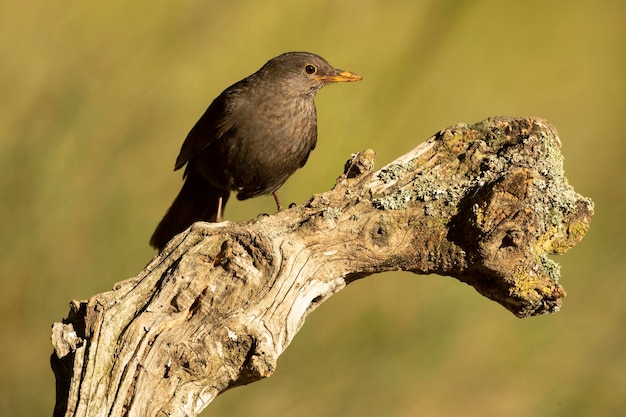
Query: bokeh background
[97, 97]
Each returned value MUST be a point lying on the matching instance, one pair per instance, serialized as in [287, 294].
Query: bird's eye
[310, 69]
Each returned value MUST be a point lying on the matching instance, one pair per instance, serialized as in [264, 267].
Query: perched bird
[251, 138]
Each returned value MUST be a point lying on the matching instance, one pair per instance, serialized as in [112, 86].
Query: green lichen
[397, 201]
[332, 212]
[551, 268]
[429, 190]
[396, 171]
[392, 173]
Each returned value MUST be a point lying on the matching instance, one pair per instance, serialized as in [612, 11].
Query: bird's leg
[278, 206]
[218, 215]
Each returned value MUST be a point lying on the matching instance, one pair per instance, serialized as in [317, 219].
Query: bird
[250, 139]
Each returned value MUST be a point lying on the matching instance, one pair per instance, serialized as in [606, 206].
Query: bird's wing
[213, 124]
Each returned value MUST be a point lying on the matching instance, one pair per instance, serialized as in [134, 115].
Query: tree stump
[485, 204]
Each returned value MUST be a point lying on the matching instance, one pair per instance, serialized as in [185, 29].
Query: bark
[485, 204]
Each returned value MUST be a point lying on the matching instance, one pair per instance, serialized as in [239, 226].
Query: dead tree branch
[485, 204]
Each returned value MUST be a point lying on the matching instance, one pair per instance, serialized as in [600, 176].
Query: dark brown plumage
[252, 137]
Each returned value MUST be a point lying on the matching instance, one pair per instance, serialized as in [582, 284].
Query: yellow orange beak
[340, 76]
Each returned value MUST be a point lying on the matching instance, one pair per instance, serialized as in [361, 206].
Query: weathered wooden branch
[485, 204]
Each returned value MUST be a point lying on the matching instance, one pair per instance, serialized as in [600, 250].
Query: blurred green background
[98, 96]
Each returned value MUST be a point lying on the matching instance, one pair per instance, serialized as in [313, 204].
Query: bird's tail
[197, 201]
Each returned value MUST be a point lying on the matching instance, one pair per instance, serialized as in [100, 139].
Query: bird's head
[303, 73]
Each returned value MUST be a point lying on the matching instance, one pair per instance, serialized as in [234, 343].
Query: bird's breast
[270, 139]
[277, 138]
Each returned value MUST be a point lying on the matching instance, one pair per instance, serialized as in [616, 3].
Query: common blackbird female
[251, 138]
